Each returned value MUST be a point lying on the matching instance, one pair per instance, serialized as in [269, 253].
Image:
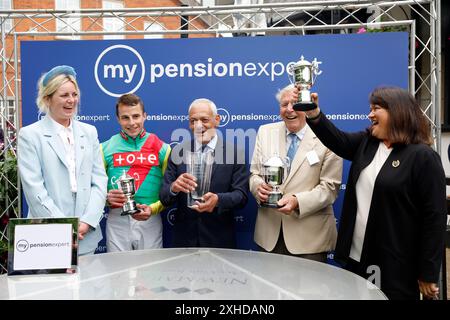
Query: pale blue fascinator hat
[56, 71]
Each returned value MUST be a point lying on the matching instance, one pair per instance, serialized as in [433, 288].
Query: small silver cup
[304, 74]
[126, 184]
[275, 171]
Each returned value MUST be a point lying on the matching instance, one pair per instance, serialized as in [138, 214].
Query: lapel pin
[395, 163]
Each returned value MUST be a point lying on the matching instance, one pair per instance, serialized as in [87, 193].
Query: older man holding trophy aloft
[302, 222]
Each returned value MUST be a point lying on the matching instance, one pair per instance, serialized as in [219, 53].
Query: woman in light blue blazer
[59, 160]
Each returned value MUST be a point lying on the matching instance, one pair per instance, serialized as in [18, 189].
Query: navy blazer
[406, 224]
[228, 180]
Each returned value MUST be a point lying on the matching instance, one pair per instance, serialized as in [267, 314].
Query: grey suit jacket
[311, 229]
[45, 176]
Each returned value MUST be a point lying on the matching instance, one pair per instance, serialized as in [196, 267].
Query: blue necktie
[293, 147]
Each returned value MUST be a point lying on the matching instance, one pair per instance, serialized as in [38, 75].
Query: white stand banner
[47, 246]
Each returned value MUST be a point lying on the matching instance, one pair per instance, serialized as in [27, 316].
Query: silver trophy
[275, 171]
[199, 164]
[304, 74]
[126, 184]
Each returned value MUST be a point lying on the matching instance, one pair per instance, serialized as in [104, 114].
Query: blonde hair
[47, 91]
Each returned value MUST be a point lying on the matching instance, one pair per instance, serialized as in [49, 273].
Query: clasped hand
[187, 183]
[116, 198]
[429, 290]
[184, 183]
[287, 204]
[210, 202]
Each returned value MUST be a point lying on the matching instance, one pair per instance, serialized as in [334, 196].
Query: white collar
[211, 144]
[300, 134]
[59, 127]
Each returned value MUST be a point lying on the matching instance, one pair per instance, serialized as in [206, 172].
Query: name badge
[312, 157]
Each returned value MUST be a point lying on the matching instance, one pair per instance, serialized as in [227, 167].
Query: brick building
[64, 16]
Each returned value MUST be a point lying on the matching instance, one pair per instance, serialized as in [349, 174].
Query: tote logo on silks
[143, 159]
[119, 69]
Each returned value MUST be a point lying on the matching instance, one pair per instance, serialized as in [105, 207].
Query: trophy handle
[115, 182]
[315, 70]
[287, 167]
[137, 180]
[290, 73]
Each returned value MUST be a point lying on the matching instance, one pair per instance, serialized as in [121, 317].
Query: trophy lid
[274, 161]
[302, 62]
[125, 176]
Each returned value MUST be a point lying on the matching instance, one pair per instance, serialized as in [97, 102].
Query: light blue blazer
[45, 176]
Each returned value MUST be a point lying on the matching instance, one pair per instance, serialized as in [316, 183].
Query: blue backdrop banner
[241, 75]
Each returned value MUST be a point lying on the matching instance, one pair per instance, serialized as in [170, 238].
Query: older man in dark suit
[209, 223]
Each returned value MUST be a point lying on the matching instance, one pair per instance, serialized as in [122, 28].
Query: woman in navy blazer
[59, 160]
[394, 213]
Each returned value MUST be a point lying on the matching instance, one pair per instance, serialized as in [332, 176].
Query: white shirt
[211, 145]
[364, 191]
[66, 135]
[300, 134]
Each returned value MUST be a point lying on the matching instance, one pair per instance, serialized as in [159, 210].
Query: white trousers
[123, 233]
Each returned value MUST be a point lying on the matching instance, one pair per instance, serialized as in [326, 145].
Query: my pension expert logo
[224, 116]
[119, 69]
[22, 245]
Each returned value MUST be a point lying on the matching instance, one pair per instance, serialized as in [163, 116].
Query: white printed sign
[42, 246]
